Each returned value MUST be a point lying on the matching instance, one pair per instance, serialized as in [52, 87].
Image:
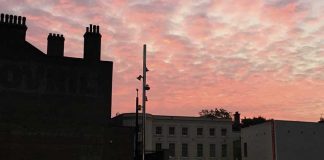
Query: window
[212, 131]
[140, 129]
[199, 150]
[245, 150]
[184, 152]
[158, 130]
[212, 150]
[184, 131]
[172, 149]
[224, 150]
[158, 146]
[199, 131]
[224, 132]
[171, 131]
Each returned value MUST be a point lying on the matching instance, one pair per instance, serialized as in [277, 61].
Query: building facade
[52, 106]
[283, 140]
[187, 138]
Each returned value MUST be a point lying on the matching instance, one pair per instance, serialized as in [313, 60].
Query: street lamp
[145, 88]
[139, 77]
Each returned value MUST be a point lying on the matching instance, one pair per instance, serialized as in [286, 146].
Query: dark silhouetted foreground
[54, 107]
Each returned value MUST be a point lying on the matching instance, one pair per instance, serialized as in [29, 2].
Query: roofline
[293, 121]
[273, 120]
[170, 117]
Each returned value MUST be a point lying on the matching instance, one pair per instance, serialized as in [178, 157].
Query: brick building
[56, 107]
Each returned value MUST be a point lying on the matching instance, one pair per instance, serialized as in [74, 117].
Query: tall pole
[136, 127]
[143, 102]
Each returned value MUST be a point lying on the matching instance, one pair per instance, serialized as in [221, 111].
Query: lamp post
[144, 99]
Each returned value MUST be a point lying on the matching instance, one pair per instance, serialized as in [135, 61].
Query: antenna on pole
[144, 101]
[136, 128]
[145, 88]
[136, 92]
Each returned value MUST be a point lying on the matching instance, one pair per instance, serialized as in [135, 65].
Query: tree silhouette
[215, 113]
[252, 121]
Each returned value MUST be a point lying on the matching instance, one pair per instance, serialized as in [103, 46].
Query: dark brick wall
[120, 144]
[54, 107]
[113, 143]
[52, 89]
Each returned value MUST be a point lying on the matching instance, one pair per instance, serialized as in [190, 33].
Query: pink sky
[258, 57]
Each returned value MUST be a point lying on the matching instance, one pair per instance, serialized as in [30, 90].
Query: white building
[283, 140]
[187, 138]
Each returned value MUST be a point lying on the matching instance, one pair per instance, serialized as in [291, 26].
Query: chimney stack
[12, 27]
[237, 119]
[92, 43]
[55, 45]
[237, 122]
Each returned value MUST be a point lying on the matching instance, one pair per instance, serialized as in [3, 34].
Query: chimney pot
[19, 20]
[94, 29]
[97, 29]
[7, 18]
[90, 28]
[15, 19]
[11, 19]
[2, 17]
[24, 20]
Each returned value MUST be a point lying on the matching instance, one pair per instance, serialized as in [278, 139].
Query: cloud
[261, 57]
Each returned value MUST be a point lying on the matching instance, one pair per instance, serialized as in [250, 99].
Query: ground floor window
[184, 148]
[212, 150]
[158, 146]
[224, 150]
[199, 150]
[172, 149]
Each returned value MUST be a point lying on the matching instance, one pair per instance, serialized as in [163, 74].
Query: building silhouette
[56, 107]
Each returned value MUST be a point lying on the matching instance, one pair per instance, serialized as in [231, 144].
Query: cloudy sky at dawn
[258, 57]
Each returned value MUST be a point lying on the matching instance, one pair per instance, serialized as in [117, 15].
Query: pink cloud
[257, 57]
[288, 14]
[198, 26]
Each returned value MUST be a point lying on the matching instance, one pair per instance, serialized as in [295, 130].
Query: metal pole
[136, 128]
[143, 102]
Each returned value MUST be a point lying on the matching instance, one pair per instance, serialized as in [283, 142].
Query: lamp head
[147, 87]
[139, 77]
